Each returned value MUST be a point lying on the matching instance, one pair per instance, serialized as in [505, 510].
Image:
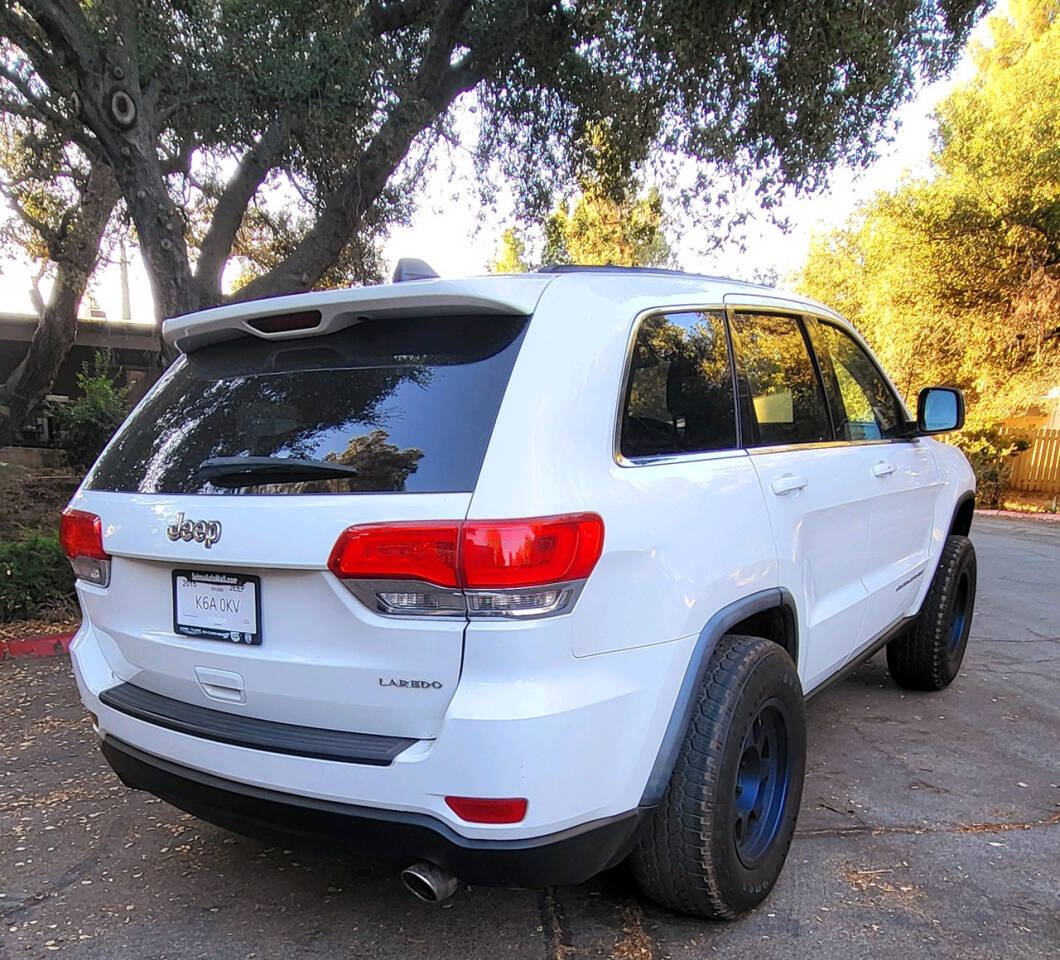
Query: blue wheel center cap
[762, 781]
[960, 614]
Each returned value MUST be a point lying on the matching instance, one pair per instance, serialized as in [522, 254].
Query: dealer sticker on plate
[218, 606]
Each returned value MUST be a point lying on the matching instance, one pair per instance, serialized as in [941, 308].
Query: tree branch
[443, 37]
[25, 34]
[386, 18]
[67, 29]
[433, 89]
[37, 108]
[180, 162]
[50, 236]
[33, 377]
[231, 207]
[34, 289]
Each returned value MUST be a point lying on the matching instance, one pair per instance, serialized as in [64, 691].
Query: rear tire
[929, 655]
[718, 840]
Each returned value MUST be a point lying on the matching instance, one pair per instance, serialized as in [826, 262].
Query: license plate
[217, 606]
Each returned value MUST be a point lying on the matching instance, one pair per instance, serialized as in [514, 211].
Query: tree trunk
[31, 380]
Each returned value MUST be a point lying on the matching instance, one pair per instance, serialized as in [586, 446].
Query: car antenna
[412, 268]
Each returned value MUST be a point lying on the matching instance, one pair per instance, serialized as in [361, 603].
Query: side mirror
[939, 410]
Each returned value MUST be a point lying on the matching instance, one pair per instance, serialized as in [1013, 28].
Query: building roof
[91, 332]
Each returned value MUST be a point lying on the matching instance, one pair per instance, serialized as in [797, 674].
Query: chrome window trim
[732, 304]
[690, 456]
[727, 454]
[779, 303]
[826, 445]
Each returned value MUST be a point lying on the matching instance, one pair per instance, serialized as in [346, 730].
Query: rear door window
[679, 393]
[409, 403]
[781, 399]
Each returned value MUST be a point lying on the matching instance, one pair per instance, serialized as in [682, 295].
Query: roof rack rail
[613, 268]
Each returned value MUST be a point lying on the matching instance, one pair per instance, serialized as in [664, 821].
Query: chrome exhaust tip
[429, 882]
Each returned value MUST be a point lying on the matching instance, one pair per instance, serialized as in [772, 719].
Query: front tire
[929, 655]
[718, 840]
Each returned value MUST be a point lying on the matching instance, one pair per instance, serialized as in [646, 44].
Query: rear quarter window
[410, 403]
[679, 393]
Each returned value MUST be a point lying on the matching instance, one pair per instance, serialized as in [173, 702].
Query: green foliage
[597, 229]
[86, 424]
[594, 230]
[767, 93]
[610, 222]
[512, 256]
[991, 457]
[337, 106]
[35, 579]
[955, 277]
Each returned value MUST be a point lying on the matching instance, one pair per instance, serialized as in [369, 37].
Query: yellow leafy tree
[955, 277]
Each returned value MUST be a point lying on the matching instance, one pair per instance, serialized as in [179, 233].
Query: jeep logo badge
[206, 532]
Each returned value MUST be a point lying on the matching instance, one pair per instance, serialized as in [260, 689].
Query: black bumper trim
[568, 857]
[240, 731]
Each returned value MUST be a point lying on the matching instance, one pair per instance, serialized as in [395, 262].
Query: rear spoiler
[329, 311]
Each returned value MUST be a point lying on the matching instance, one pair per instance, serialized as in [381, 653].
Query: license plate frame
[206, 631]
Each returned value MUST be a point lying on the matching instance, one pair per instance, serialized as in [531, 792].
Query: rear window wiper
[251, 471]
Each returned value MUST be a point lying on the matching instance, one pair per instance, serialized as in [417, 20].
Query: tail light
[81, 537]
[494, 568]
[402, 551]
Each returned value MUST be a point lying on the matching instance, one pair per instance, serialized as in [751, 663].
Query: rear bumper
[568, 857]
[577, 737]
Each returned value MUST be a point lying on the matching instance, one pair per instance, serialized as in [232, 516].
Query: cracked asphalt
[930, 825]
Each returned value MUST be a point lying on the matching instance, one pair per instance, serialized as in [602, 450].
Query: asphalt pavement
[930, 827]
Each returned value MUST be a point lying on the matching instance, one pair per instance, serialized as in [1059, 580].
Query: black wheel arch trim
[962, 501]
[716, 627]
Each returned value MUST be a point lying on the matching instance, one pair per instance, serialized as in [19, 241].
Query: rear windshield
[408, 403]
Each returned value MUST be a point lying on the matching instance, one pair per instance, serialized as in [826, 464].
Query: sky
[458, 239]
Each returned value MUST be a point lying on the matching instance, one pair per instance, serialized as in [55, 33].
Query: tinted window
[679, 396]
[781, 397]
[863, 405]
[409, 403]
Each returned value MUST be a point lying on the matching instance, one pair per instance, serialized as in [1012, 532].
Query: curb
[1020, 515]
[49, 645]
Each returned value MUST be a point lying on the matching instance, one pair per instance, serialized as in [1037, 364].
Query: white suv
[513, 577]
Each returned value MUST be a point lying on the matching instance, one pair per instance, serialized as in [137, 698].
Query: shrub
[35, 579]
[86, 424]
[990, 455]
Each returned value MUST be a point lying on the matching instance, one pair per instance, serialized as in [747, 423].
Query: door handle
[883, 469]
[787, 483]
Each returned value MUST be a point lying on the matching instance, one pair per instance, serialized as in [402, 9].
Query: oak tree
[327, 110]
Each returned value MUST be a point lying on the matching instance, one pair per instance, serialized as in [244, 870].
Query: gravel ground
[930, 826]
